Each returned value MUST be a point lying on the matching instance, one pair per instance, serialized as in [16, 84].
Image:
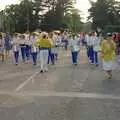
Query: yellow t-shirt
[108, 51]
[44, 43]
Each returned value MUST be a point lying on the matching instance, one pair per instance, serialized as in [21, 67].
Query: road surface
[66, 92]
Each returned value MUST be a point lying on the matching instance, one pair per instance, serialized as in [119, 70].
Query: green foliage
[43, 14]
[63, 16]
[104, 12]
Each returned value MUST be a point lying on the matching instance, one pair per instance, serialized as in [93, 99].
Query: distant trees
[104, 12]
[43, 14]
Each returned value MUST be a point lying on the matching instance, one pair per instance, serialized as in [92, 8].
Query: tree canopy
[42, 14]
[104, 12]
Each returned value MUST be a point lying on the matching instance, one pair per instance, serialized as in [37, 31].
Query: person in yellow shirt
[44, 45]
[108, 48]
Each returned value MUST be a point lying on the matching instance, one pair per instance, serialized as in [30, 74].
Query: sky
[3, 3]
[83, 5]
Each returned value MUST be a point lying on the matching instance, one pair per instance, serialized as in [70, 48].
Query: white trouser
[44, 59]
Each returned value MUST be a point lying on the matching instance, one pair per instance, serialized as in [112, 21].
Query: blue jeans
[74, 57]
[34, 57]
[96, 58]
[23, 53]
[16, 56]
[51, 57]
[27, 51]
[91, 54]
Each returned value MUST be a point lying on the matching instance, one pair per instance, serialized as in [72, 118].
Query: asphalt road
[66, 92]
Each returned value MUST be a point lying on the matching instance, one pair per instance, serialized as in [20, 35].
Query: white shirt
[15, 45]
[58, 40]
[90, 40]
[74, 45]
[96, 45]
[86, 38]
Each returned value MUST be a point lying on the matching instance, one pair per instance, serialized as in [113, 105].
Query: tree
[104, 12]
[62, 16]
[21, 18]
[77, 25]
[43, 14]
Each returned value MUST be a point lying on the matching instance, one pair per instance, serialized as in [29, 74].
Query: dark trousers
[27, 51]
[16, 56]
[51, 57]
[96, 58]
[74, 57]
[66, 44]
[34, 57]
[56, 56]
[91, 54]
[23, 53]
[88, 53]
[66, 47]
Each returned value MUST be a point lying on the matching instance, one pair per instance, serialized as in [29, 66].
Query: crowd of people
[47, 45]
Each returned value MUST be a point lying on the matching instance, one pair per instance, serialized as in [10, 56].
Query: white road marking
[62, 94]
[71, 95]
[26, 81]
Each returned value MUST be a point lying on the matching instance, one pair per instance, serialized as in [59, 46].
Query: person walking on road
[7, 44]
[34, 48]
[16, 49]
[1, 47]
[28, 47]
[44, 45]
[74, 49]
[23, 47]
[108, 48]
[96, 48]
[90, 50]
[51, 56]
